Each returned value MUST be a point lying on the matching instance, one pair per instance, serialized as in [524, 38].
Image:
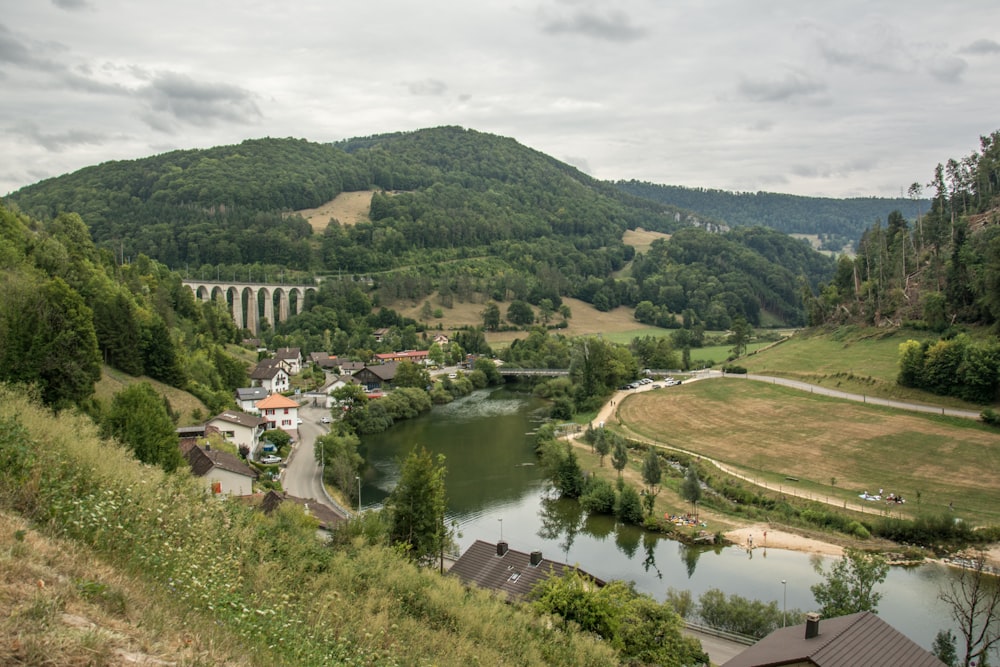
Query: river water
[496, 491]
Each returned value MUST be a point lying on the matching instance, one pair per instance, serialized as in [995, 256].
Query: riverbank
[747, 535]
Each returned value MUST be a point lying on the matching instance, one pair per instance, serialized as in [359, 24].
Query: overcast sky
[839, 98]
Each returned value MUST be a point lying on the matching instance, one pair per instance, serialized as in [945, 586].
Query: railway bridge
[252, 303]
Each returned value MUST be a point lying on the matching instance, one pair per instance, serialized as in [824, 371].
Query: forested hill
[226, 205]
[454, 212]
[840, 219]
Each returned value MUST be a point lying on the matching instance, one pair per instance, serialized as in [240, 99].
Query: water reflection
[485, 440]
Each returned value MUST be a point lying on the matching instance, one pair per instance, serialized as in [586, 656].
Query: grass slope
[113, 381]
[776, 432]
[855, 359]
[230, 571]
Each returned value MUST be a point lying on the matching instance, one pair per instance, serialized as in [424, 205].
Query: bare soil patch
[348, 208]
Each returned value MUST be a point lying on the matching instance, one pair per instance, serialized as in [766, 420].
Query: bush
[990, 416]
[734, 370]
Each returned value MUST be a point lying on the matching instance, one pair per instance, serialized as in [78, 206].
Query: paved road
[609, 412]
[302, 475]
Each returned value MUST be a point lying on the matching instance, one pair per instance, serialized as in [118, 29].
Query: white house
[279, 412]
[222, 473]
[272, 374]
[239, 428]
[247, 397]
[335, 383]
[291, 356]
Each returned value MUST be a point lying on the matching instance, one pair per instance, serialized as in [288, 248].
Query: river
[495, 490]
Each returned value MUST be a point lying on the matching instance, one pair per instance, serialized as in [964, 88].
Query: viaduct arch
[249, 303]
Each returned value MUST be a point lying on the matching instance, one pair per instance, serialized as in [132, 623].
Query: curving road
[610, 409]
[302, 475]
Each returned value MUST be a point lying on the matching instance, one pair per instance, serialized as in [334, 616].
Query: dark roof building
[511, 573]
[202, 461]
[328, 519]
[856, 640]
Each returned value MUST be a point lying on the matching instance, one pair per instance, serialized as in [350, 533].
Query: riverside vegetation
[246, 588]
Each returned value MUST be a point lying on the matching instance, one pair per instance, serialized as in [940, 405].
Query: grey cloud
[16, 52]
[71, 4]
[793, 85]
[178, 96]
[614, 27]
[762, 125]
[981, 46]
[22, 54]
[838, 56]
[57, 141]
[822, 170]
[948, 69]
[427, 88]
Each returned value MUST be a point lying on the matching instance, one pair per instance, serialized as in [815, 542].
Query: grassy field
[858, 360]
[347, 208]
[836, 448]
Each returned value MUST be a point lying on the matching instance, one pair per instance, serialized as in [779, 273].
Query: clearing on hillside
[347, 207]
[585, 320]
[640, 239]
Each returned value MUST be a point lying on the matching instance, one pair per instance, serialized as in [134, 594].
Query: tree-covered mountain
[454, 212]
[837, 221]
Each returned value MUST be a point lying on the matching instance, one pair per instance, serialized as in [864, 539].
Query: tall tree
[417, 505]
[619, 457]
[138, 418]
[973, 597]
[491, 316]
[47, 338]
[849, 585]
[691, 486]
[652, 473]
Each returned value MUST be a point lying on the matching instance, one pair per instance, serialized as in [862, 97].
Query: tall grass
[292, 600]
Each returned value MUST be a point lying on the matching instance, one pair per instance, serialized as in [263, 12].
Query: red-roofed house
[279, 412]
[416, 356]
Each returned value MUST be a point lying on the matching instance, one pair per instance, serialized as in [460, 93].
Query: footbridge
[253, 303]
[549, 372]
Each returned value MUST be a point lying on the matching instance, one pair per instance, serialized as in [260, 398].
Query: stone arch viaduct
[240, 298]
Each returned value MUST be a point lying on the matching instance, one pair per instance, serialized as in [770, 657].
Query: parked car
[270, 459]
[299, 421]
[325, 420]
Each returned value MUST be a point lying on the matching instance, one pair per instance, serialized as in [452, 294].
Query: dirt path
[757, 535]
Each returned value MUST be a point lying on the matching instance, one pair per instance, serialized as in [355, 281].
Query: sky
[838, 99]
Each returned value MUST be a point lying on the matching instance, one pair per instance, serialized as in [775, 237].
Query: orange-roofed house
[279, 412]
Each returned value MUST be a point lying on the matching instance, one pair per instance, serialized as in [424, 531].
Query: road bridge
[252, 303]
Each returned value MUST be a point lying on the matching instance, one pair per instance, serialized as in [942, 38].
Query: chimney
[536, 558]
[208, 446]
[501, 548]
[812, 625]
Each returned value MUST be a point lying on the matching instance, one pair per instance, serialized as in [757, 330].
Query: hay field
[585, 321]
[640, 239]
[777, 432]
[348, 207]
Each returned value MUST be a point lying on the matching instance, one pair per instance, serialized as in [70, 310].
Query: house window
[286, 411]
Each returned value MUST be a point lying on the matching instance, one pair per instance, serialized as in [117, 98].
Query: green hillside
[455, 212]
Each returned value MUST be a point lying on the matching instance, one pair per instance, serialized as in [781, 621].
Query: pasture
[835, 448]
